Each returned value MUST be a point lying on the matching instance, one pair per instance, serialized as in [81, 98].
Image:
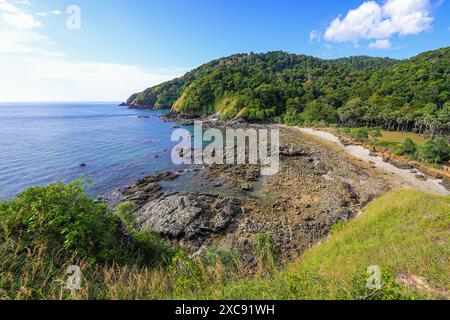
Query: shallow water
[41, 143]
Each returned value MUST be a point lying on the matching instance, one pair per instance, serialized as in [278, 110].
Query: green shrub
[63, 218]
[359, 133]
[124, 211]
[266, 251]
[408, 147]
[151, 249]
[435, 150]
[214, 255]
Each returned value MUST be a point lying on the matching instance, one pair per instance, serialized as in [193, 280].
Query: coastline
[229, 206]
[408, 177]
[322, 182]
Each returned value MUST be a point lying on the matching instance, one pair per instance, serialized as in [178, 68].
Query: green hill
[408, 95]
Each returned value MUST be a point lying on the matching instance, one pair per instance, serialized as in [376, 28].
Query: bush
[266, 251]
[124, 211]
[407, 148]
[63, 216]
[435, 150]
[359, 133]
[64, 219]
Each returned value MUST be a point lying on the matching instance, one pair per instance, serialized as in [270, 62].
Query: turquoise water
[41, 143]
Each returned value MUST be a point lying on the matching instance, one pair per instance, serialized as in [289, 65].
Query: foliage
[124, 211]
[435, 150]
[408, 147]
[359, 133]
[403, 232]
[266, 251]
[402, 95]
[63, 218]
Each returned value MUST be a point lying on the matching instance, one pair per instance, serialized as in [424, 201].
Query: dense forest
[403, 95]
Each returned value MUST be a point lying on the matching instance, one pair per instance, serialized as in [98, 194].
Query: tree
[409, 147]
[436, 150]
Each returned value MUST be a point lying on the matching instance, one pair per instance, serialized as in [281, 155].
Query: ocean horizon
[102, 142]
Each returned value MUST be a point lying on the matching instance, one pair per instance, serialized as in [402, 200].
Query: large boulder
[188, 216]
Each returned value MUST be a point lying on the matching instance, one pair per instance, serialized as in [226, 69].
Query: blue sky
[125, 46]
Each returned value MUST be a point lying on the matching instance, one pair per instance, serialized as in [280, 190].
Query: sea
[107, 145]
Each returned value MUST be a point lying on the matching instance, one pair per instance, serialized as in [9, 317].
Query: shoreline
[408, 178]
[229, 206]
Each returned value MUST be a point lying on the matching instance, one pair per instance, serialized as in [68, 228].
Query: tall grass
[404, 233]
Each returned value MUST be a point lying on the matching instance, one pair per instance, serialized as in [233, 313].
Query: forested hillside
[404, 95]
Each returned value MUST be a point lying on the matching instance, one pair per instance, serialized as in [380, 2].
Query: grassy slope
[403, 232]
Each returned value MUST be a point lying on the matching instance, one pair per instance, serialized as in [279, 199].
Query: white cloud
[52, 13]
[18, 41]
[21, 20]
[16, 17]
[374, 21]
[7, 7]
[53, 79]
[380, 44]
[314, 36]
[33, 70]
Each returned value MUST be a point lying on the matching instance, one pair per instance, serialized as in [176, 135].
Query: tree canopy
[404, 95]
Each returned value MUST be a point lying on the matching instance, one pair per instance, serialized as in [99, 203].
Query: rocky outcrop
[292, 151]
[400, 164]
[184, 216]
[229, 205]
[421, 177]
[147, 189]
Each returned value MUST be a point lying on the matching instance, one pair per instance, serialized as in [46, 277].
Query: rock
[344, 214]
[421, 177]
[226, 214]
[188, 216]
[239, 121]
[143, 117]
[188, 123]
[385, 159]
[446, 182]
[414, 171]
[83, 165]
[247, 186]
[147, 189]
[292, 151]
[400, 164]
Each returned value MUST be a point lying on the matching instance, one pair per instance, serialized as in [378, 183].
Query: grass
[405, 233]
[400, 137]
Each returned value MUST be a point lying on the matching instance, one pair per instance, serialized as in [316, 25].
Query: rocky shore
[228, 206]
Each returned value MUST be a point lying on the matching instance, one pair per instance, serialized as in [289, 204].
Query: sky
[105, 50]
